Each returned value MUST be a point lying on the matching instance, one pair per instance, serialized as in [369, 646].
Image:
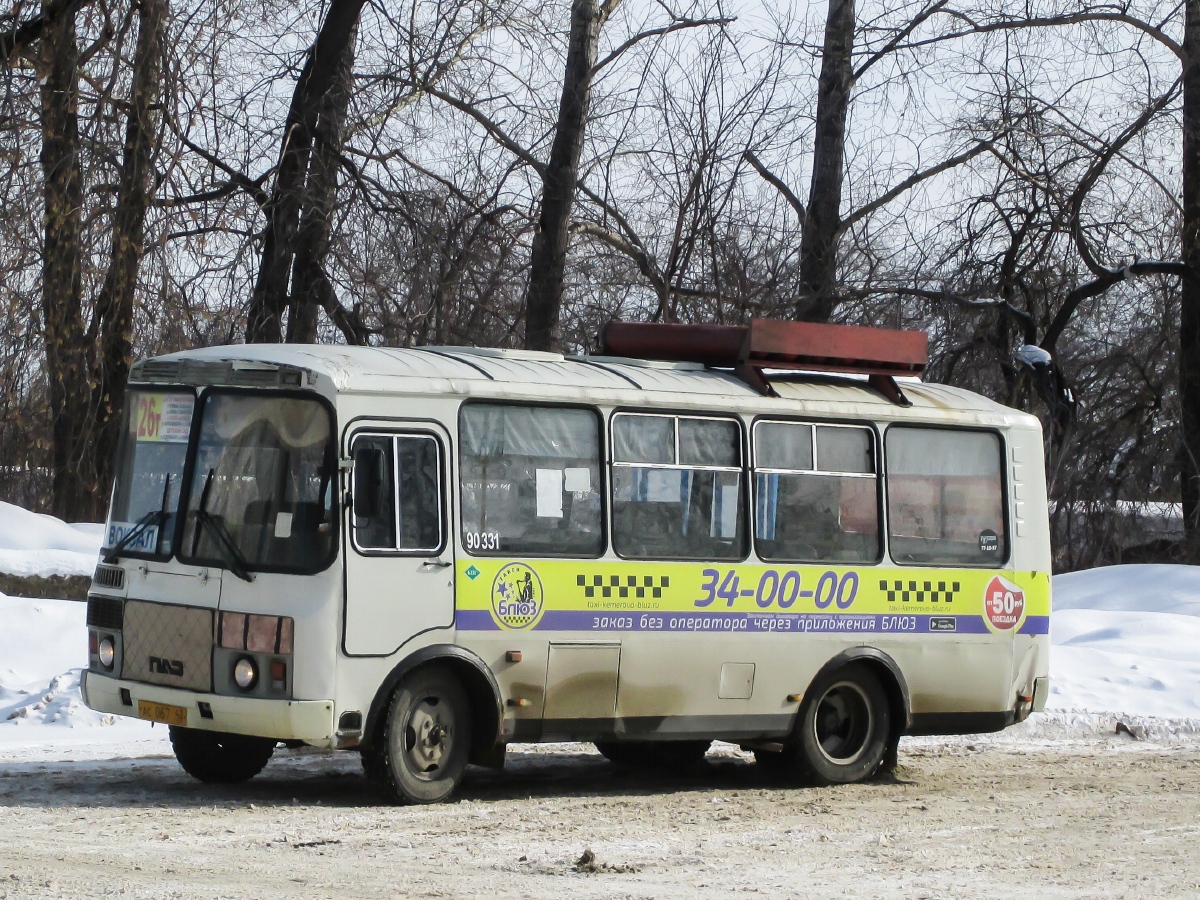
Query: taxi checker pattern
[623, 585]
[897, 590]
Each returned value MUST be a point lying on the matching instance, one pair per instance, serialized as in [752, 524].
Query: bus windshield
[149, 478]
[261, 495]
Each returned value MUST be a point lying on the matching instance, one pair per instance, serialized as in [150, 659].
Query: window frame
[394, 435]
[744, 507]
[601, 477]
[1001, 561]
[331, 461]
[880, 500]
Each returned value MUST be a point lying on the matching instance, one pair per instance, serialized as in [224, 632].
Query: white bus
[427, 554]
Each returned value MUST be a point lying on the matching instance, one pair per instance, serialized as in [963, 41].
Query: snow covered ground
[1126, 647]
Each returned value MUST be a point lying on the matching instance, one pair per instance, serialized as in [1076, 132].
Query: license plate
[162, 712]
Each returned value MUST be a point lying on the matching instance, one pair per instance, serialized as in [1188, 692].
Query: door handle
[437, 563]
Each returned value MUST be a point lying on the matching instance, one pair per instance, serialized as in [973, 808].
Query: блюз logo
[517, 597]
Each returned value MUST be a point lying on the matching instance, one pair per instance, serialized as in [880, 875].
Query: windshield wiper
[156, 517]
[226, 545]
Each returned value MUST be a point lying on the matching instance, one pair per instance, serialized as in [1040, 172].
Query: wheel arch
[477, 680]
[890, 677]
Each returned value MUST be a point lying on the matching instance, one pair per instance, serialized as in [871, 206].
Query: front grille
[168, 645]
[109, 577]
[105, 612]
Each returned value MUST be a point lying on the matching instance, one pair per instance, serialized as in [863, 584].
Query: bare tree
[88, 343]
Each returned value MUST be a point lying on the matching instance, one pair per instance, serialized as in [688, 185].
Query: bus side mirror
[368, 479]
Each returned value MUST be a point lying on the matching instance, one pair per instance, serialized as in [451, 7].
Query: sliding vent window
[402, 509]
[530, 481]
[816, 489]
[945, 497]
[677, 487]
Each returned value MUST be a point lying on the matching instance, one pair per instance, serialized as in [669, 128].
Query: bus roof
[522, 374]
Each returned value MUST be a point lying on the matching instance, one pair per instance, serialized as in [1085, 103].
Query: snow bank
[43, 650]
[1126, 639]
[35, 544]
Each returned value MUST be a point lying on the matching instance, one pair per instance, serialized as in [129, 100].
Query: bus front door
[399, 558]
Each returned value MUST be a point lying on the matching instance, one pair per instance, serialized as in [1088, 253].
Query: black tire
[843, 728]
[421, 751]
[654, 754]
[218, 758]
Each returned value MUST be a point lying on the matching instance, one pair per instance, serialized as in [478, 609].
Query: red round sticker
[1003, 604]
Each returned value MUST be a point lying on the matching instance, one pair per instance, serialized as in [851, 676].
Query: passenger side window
[530, 480]
[945, 497]
[406, 489]
[816, 490]
[677, 487]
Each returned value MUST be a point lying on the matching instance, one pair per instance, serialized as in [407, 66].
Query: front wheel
[843, 727]
[422, 752]
[218, 758]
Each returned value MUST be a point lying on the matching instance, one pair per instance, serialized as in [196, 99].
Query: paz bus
[773, 535]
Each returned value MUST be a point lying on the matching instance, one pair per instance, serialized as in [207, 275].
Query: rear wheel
[218, 758]
[654, 754]
[843, 727]
[422, 751]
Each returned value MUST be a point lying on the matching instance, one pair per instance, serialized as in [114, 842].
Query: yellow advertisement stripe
[678, 587]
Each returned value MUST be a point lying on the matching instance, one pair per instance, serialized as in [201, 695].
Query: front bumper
[310, 721]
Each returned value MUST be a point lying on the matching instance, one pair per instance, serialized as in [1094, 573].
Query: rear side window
[945, 497]
[677, 487]
[816, 490]
[530, 480]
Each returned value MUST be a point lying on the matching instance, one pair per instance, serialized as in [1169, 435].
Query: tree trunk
[269, 300]
[818, 242]
[113, 315]
[68, 367]
[1189, 316]
[309, 280]
[543, 299]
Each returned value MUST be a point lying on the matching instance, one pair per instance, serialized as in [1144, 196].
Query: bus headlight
[245, 673]
[107, 651]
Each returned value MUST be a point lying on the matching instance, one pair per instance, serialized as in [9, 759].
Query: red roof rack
[879, 353]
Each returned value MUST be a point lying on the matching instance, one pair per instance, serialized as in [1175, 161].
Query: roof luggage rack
[879, 353]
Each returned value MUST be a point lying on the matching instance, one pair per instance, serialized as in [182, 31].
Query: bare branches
[20, 36]
[679, 24]
[915, 179]
[778, 183]
[1098, 13]
[1100, 163]
[1097, 286]
[492, 127]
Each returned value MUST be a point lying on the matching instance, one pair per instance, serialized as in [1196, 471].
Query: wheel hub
[843, 723]
[428, 737]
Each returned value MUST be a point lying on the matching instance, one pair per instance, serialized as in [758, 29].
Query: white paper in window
[662, 485]
[577, 480]
[283, 525]
[550, 493]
